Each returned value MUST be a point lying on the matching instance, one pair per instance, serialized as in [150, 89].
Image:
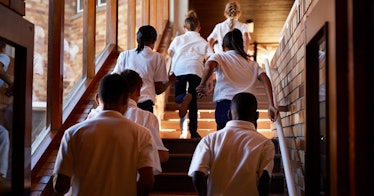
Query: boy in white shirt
[139, 116]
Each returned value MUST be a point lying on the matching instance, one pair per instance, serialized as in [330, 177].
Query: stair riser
[177, 164]
[170, 183]
[180, 146]
[207, 114]
[208, 125]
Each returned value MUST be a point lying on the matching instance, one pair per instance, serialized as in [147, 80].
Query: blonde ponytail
[191, 22]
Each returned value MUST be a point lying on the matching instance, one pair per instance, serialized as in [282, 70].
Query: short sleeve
[64, 160]
[121, 63]
[148, 155]
[267, 157]
[201, 158]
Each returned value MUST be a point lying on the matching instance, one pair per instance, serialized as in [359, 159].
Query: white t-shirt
[222, 28]
[141, 117]
[146, 119]
[234, 159]
[5, 60]
[188, 52]
[234, 74]
[150, 65]
[103, 155]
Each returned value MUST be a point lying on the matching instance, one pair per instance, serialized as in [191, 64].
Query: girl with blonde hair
[232, 14]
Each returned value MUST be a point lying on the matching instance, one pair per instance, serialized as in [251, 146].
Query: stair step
[177, 163]
[173, 182]
[180, 146]
[207, 124]
[173, 194]
[206, 114]
[202, 114]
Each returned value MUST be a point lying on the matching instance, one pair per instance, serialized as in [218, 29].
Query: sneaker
[184, 106]
[195, 135]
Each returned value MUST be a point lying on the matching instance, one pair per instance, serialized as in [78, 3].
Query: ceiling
[269, 16]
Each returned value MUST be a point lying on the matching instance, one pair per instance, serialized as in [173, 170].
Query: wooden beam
[131, 24]
[112, 22]
[55, 63]
[146, 12]
[89, 41]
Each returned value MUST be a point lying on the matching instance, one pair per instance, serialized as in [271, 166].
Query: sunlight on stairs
[174, 127]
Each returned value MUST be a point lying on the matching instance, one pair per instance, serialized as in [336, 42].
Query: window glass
[100, 27]
[73, 48]
[122, 23]
[37, 14]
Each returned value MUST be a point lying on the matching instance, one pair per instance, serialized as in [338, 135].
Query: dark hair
[133, 79]
[245, 105]
[233, 40]
[191, 22]
[112, 88]
[145, 35]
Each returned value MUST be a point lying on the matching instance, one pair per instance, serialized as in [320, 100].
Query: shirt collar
[241, 124]
[131, 102]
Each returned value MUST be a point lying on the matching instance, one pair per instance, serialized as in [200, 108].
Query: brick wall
[288, 65]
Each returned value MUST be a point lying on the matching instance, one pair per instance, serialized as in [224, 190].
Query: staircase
[174, 180]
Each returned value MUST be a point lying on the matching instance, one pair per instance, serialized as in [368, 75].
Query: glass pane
[100, 29]
[6, 110]
[122, 23]
[73, 47]
[37, 14]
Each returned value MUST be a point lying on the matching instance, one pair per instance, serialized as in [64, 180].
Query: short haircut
[112, 88]
[133, 79]
[245, 104]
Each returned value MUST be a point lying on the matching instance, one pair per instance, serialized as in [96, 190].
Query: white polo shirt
[103, 155]
[188, 52]
[146, 119]
[222, 28]
[141, 117]
[150, 65]
[234, 159]
[234, 74]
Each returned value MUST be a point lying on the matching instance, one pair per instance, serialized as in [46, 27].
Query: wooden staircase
[174, 180]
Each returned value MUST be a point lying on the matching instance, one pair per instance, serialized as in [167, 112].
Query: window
[80, 4]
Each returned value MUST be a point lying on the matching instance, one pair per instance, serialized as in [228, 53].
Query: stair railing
[283, 148]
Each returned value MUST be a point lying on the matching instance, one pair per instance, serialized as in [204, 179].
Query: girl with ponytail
[232, 14]
[150, 65]
[235, 73]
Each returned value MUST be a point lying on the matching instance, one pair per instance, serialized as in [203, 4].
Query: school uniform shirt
[234, 74]
[141, 117]
[222, 28]
[146, 119]
[234, 158]
[150, 65]
[5, 60]
[189, 52]
[104, 153]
